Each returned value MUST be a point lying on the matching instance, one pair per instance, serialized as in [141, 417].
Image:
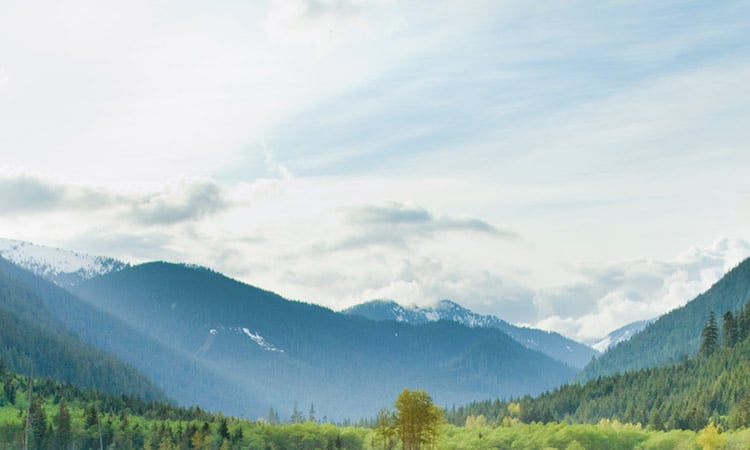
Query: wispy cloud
[397, 225]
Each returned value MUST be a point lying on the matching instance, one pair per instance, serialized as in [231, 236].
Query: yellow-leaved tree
[418, 420]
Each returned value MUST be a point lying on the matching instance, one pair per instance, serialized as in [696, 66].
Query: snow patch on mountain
[258, 339]
[62, 267]
[621, 335]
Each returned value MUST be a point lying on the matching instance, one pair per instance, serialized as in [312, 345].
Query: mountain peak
[552, 344]
[62, 267]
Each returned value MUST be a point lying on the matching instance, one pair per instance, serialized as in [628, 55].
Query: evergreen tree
[297, 416]
[729, 330]
[311, 413]
[38, 423]
[223, 429]
[710, 337]
[63, 427]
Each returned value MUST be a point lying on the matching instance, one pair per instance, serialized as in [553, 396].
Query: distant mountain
[182, 376]
[621, 334]
[675, 335]
[33, 340]
[284, 352]
[62, 267]
[551, 344]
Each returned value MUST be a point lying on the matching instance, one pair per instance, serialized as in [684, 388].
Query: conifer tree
[710, 337]
[311, 414]
[63, 427]
[729, 330]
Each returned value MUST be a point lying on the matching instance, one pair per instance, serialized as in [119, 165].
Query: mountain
[62, 267]
[551, 344]
[675, 335]
[34, 341]
[286, 353]
[180, 375]
[621, 335]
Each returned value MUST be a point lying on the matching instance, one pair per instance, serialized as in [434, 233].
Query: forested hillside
[34, 341]
[285, 352]
[675, 335]
[714, 385]
[179, 374]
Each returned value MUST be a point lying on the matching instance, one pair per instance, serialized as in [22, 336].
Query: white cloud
[616, 294]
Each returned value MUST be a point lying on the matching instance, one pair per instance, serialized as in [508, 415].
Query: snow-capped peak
[62, 267]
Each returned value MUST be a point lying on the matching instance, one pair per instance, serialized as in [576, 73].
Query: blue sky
[574, 166]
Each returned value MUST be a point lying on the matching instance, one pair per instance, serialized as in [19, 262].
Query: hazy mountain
[33, 340]
[62, 267]
[551, 344]
[677, 334]
[621, 334]
[180, 375]
[283, 351]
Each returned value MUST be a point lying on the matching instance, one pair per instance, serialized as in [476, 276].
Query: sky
[573, 166]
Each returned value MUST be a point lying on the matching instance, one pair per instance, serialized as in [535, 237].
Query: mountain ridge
[551, 344]
[305, 353]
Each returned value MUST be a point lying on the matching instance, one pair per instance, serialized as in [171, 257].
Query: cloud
[615, 294]
[22, 193]
[183, 201]
[396, 224]
[180, 203]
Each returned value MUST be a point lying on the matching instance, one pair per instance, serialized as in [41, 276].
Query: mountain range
[204, 338]
[551, 344]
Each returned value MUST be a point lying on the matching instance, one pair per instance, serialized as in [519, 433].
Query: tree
[63, 427]
[418, 420]
[38, 424]
[729, 330]
[311, 414]
[710, 337]
[709, 438]
[296, 415]
[385, 427]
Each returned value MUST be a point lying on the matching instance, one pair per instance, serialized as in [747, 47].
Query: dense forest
[712, 387]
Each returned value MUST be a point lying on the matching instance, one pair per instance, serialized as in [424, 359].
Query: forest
[50, 415]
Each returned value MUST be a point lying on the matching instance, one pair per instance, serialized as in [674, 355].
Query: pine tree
[297, 415]
[311, 414]
[63, 427]
[710, 337]
[729, 330]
